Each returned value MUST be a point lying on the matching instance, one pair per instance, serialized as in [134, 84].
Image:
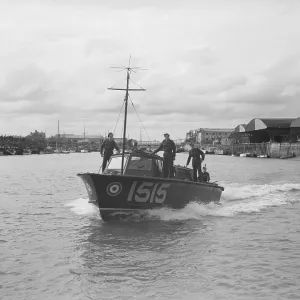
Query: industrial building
[261, 130]
[209, 136]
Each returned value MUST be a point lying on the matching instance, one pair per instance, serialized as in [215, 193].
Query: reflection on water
[137, 254]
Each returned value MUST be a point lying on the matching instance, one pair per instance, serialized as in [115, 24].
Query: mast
[58, 135]
[128, 70]
[125, 121]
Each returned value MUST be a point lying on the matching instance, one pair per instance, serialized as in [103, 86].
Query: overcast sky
[209, 64]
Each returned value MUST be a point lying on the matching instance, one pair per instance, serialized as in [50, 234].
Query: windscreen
[116, 162]
[140, 163]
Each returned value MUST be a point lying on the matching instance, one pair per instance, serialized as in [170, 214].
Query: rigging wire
[118, 118]
[136, 83]
[139, 118]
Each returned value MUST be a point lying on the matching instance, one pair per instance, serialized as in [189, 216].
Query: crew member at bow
[108, 146]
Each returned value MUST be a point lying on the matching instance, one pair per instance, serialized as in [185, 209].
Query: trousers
[168, 169]
[106, 158]
[197, 169]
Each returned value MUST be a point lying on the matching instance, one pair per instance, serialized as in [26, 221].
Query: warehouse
[295, 131]
[269, 129]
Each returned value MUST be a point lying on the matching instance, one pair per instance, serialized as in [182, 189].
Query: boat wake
[81, 206]
[236, 199]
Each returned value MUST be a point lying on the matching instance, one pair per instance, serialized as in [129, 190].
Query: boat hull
[117, 193]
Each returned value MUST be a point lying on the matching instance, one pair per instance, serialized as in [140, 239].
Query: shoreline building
[209, 136]
[262, 130]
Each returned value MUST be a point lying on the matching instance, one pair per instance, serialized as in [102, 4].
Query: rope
[118, 117]
[140, 119]
[136, 83]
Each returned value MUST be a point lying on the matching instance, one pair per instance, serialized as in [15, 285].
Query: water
[54, 245]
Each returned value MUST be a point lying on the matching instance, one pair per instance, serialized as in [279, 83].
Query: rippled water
[54, 245]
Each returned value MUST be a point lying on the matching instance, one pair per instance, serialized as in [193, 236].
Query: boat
[180, 150]
[65, 152]
[219, 152]
[84, 150]
[133, 182]
[27, 152]
[288, 156]
[263, 156]
[244, 154]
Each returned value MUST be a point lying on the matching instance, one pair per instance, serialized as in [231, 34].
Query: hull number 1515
[148, 191]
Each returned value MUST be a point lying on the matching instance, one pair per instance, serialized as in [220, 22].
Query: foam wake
[235, 199]
[236, 192]
[81, 206]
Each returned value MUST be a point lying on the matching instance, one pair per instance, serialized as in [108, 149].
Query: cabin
[144, 164]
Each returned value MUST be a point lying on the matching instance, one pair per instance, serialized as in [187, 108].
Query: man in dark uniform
[206, 177]
[197, 156]
[108, 145]
[169, 148]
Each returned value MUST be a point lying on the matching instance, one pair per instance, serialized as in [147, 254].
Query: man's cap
[166, 134]
[110, 134]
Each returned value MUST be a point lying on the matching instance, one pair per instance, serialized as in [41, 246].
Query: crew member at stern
[169, 148]
[197, 156]
[108, 146]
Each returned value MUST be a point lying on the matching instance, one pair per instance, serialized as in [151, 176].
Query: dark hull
[117, 193]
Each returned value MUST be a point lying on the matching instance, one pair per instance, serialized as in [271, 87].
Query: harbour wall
[274, 150]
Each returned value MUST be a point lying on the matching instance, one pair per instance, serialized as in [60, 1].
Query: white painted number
[142, 194]
[148, 191]
[161, 193]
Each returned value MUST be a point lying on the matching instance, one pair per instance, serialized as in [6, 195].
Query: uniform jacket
[109, 147]
[167, 146]
[197, 156]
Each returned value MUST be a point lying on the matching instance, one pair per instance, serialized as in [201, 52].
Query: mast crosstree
[127, 90]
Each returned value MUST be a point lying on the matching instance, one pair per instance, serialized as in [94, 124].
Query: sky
[209, 64]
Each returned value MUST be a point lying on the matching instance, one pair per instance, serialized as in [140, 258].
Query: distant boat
[263, 156]
[27, 152]
[180, 149]
[243, 154]
[248, 155]
[65, 152]
[219, 152]
[288, 156]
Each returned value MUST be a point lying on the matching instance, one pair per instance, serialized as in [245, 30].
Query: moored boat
[288, 156]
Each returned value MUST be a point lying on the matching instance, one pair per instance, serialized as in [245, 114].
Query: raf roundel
[114, 189]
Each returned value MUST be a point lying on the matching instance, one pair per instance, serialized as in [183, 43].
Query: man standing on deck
[198, 156]
[108, 145]
[169, 148]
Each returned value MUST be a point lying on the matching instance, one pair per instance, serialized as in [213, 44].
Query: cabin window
[140, 163]
[116, 162]
[158, 165]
